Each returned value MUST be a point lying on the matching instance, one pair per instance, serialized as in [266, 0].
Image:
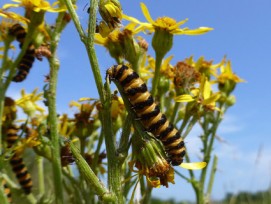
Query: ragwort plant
[152, 124]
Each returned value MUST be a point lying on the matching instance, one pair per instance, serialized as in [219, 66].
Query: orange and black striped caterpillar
[21, 172]
[6, 190]
[16, 160]
[29, 57]
[148, 112]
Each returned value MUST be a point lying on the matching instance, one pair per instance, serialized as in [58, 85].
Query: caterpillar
[29, 57]
[148, 112]
[11, 135]
[16, 160]
[21, 172]
[6, 190]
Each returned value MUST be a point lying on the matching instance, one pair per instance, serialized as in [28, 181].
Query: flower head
[121, 43]
[85, 121]
[13, 16]
[164, 28]
[164, 23]
[202, 95]
[185, 76]
[28, 102]
[110, 10]
[227, 79]
[151, 161]
[35, 5]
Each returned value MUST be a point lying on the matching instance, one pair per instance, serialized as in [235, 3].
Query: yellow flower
[203, 95]
[36, 5]
[227, 79]
[117, 107]
[110, 10]
[147, 71]
[13, 16]
[120, 43]
[204, 67]
[30, 141]
[28, 102]
[164, 23]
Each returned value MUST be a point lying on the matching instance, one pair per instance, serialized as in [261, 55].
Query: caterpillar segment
[148, 111]
[20, 170]
[29, 57]
[12, 135]
[7, 191]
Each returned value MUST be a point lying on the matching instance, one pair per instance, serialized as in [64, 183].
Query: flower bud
[162, 42]
[110, 11]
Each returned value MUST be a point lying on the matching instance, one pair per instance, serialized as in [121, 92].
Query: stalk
[41, 175]
[212, 177]
[156, 78]
[90, 177]
[114, 170]
[54, 68]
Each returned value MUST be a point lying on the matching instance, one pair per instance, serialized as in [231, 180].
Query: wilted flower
[185, 76]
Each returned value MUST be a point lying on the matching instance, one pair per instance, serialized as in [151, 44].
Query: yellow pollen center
[165, 22]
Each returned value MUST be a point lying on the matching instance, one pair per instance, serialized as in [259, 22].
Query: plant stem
[174, 113]
[114, 175]
[156, 78]
[54, 68]
[124, 139]
[212, 177]
[90, 177]
[2, 89]
[114, 165]
[41, 175]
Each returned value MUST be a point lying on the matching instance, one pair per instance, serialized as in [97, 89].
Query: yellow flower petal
[146, 13]
[198, 31]
[211, 100]
[194, 165]
[184, 98]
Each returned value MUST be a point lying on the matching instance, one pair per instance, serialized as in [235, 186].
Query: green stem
[147, 196]
[3, 197]
[54, 68]
[212, 177]
[114, 165]
[174, 113]
[41, 175]
[208, 147]
[89, 41]
[189, 127]
[156, 78]
[114, 170]
[124, 139]
[96, 154]
[90, 177]
[181, 175]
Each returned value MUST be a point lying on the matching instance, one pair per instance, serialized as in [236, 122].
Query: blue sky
[242, 31]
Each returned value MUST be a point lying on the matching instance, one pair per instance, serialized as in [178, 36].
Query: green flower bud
[162, 42]
[231, 100]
